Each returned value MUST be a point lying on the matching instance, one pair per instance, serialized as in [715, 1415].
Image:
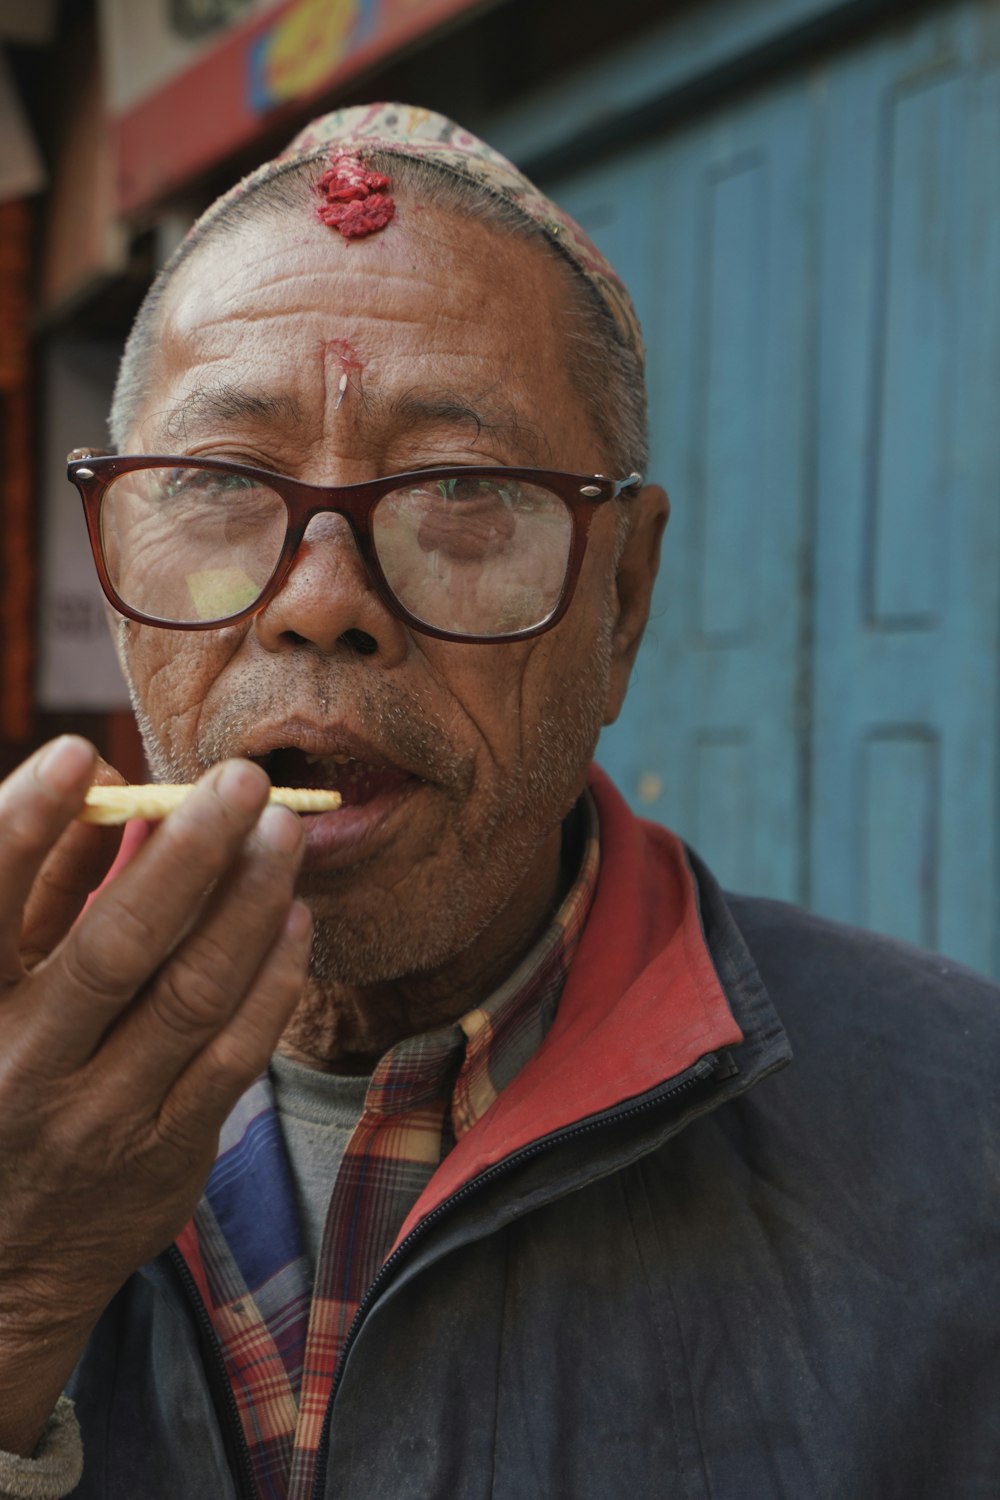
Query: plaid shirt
[281, 1334]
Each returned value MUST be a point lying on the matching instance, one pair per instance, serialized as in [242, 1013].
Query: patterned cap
[403, 130]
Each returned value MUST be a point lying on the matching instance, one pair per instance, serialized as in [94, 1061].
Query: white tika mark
[341, 388]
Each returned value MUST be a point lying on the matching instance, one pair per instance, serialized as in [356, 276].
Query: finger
[208, 976]
[74, 869]
[202, 1097]
[37, 803]
[133, 925]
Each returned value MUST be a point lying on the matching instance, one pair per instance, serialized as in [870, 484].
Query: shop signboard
[192, 81]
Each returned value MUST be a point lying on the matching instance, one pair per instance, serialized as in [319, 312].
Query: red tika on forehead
[353, 199]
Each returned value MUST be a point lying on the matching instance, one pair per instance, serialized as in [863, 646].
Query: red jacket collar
[642, 1002]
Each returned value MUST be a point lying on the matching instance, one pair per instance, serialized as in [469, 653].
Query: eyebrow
[487, 414]
[227, 403]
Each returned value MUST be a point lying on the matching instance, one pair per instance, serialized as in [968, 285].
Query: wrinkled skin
[127, 1037]
[446, 895]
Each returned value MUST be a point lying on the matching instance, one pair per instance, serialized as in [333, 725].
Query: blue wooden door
[709, 741]
[904, 749]
[817, 268]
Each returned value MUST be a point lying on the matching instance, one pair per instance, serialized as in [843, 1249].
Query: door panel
[908, 541]
[817, 269]
[708, 741]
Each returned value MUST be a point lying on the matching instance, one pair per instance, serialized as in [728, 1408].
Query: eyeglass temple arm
[633, 482]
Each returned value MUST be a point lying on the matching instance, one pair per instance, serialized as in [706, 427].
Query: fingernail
[242, 786]
[279, 829]
[65, 762]
[298, 923]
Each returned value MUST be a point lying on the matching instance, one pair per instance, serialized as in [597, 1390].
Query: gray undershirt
[318, 1113]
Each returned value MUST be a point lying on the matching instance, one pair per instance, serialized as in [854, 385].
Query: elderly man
[429, 1147]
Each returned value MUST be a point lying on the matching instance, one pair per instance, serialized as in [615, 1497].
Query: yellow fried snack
[118, 804]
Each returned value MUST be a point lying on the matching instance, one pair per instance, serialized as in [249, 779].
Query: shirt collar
[474, 1058]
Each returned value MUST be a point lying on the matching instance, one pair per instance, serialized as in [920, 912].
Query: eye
[470, 490]
[207, 483]
[465, 488]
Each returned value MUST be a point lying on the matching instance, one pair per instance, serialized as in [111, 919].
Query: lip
[322, 739]
[336, 840]
[354, 831]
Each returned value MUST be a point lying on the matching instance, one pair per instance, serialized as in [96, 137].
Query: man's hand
[127, 1034]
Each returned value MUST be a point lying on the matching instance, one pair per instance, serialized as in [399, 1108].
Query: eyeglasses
[465, 554]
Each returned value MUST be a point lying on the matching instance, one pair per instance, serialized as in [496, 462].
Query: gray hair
[608, 376]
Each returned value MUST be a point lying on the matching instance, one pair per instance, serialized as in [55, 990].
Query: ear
[637, 570]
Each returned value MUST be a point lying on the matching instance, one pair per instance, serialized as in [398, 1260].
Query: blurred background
[803, 196]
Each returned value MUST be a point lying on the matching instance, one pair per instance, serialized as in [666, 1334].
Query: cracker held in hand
[118, 804]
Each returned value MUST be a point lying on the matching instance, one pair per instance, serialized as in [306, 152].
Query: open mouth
[358, 781]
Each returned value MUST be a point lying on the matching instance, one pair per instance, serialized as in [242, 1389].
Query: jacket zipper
[701, 1070]
[218, 1377]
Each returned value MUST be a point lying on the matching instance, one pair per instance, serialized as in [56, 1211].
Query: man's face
[458, 762]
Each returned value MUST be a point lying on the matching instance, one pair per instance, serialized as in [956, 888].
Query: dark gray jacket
[733, 1286]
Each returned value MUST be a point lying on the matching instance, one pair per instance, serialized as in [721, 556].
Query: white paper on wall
[77, 666]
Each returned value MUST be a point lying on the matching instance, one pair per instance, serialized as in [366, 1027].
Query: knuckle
[237, 1061]
[112, 948]
[189, 996]
[87, 967]
[130, 928]
[182, 1146]
[240, 1053]
[171, 1154]
[266, 881]
[24, 825]
[13, 967]
[208, 956]
[57, 882]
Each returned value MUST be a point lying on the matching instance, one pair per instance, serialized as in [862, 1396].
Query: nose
[329, 601]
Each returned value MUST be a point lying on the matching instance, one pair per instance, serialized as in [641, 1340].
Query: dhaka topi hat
[357, 201]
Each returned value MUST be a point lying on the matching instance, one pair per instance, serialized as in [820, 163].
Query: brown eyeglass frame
[92, 473]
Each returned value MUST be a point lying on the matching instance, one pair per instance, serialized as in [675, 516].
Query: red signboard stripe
[208, 112]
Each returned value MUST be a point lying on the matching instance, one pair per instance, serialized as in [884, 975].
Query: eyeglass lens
[467, 555]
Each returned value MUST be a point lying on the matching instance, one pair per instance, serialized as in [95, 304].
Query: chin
[382, 943]
[343, 954]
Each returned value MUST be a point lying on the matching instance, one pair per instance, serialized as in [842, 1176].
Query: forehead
[435, 300]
